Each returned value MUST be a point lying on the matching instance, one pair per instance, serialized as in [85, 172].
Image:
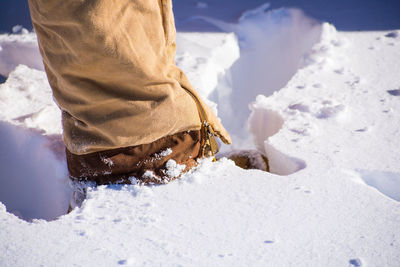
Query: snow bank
[258, 55]
[387, 183]
[211, 60]
[206, 57]
[263, 124]
[336, 120]
[295, 121]
[34, 180]
[272, 46]
[18, 49]
[32, 101]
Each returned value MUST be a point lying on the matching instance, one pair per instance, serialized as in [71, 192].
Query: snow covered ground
[323, 105]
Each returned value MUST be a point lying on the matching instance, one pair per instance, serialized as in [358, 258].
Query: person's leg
[110, 64]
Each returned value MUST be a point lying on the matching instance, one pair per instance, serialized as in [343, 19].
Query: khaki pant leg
[109, 64]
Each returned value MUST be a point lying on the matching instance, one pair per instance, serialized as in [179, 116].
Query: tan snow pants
[110, 64]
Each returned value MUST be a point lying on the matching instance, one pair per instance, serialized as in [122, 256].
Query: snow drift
[331, 127]
[34, 180]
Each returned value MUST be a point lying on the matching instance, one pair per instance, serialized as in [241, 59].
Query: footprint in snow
[395, 92]
[300, 107]
[392, 35]
[317, 85]
[305, 191]
[122, 262]
[361, 130]
[330, 111]
[339, 71]
[264, 123]
[355, 263]
[388, 183]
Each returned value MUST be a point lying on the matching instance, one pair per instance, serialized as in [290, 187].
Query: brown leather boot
[249, 159]
[158, 162]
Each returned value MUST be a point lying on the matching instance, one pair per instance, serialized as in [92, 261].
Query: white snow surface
[328, 123]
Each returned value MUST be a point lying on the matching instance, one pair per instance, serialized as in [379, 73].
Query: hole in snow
[272, 47]
[392, 35]
[273, 44]
[388, 183]
[2, 79]
[355, 262]
[264, 123]
[395, 92]
[34, 183]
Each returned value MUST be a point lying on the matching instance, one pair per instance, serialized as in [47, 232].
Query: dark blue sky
[347, 15]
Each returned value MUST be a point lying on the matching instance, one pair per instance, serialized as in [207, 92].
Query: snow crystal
[133, 180]
[107, 161]
[18, 29]
[2, 207]
[150, 175]
[164, 153]
[174, 169]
